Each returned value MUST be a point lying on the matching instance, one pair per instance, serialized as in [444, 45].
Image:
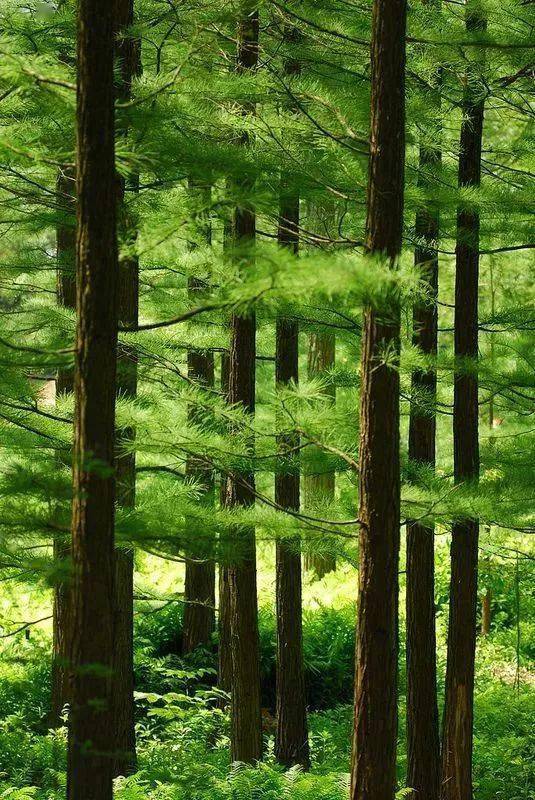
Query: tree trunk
[423, 741]
[320, 487]
[91, 728]
[246, 722]
[459, 696]
[199, 589]
[66, 294]
[128, 56]
[225, 656]
[199, 612]
[291, 744]
[375, 731]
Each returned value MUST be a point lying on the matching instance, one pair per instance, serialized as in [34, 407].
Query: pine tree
[199, 584]
[246, 731]
[423, 743]
[292, 734]
[375, 729]
[459, 697]
[91, 729]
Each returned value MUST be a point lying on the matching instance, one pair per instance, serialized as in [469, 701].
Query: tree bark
[423, 741]
[199, 589]
[246, 722]
[320, 487]
[459, 696]
[91, 728]
[199, 612]
[373, 774]
[129, 63]
[66, 295]
[291, 743]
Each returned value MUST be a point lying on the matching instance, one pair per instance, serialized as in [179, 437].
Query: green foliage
[186, 123]
[186, 758]
[25, 691]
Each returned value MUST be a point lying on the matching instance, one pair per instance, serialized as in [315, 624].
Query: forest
[267, 400]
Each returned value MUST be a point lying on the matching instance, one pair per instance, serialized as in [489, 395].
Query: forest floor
[183, 744]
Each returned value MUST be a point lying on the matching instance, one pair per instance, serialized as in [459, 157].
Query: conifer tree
[292, 734]
[199, 584]
[246, 727]
[423, 743]
[91, 729]
[373, 775]
[459, 697]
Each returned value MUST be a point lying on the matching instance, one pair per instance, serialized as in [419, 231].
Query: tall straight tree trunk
[291, 744]
[66, 294]
[128, 57]
[320, 487]
[246, 723]
[199, 590]
[375, 730]
[459, 697]
[91, 735]
[423, 740]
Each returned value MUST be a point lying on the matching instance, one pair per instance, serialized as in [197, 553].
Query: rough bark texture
[128, 60]
[291, 743]
[199, 589]
[66, 294]
[375, 732]
[459, 697]
[423, 741]
[320, 487]
[91, 735]
[246, 722]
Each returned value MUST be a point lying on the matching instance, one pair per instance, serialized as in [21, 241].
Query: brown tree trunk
[375, 731]
[459, 696]
[199, 594]
[246, 722]
[66, 294]
[423, 741]
[199, 589]
[320, 487]
[91, 728]
[225, 656]
[128, 57]
[291, 743]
